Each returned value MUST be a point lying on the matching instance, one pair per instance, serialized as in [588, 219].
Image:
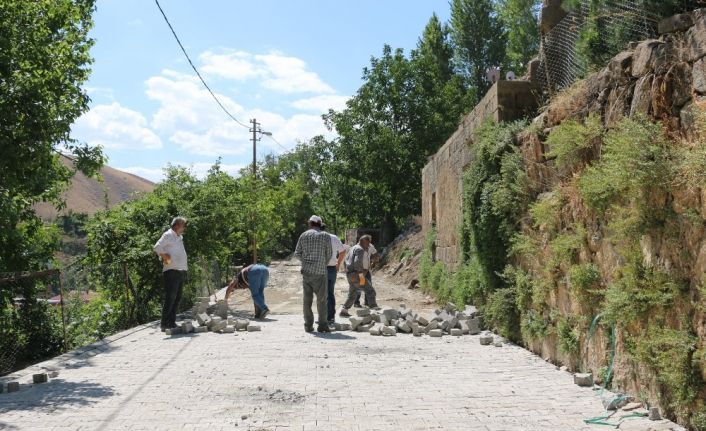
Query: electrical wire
[195, 69]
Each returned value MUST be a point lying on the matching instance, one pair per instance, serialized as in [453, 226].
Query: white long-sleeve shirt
[336, 247]
[172, 244]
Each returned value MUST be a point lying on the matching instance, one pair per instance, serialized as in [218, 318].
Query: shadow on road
[56, 395]
[332, 336]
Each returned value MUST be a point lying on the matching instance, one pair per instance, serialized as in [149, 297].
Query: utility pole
[255, 129]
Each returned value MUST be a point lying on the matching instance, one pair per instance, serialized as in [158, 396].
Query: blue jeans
[331, 277]
[257, 280]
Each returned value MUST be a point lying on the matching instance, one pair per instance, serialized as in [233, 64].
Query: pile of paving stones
[212, 317]
[37, 379]
[402, 320]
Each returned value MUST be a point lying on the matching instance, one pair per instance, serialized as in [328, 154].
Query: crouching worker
[355, 273]
[253, 277]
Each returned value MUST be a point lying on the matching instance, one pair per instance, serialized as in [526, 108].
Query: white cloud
[200, 170]
[237, 65]
[115, 127]
[104, 92]
[321, 103]
[275, 71]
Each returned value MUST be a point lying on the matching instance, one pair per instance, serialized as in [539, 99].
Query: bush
[635, 157]
[546, 211]
[584, 280]
[565, 247]
[568, 335]
[495, 196]
[469, 283]
[669, 353]
[572, 143]
[501, 314]
[426, 262]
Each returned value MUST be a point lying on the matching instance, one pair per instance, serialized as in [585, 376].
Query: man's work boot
[344, 313]
[257, 312]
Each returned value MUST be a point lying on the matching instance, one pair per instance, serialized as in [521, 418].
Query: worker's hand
[338, 267]
[166, 258]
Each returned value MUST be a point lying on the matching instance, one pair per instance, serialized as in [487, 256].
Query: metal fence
[562, 57]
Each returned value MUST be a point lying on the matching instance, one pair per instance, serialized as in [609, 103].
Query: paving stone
[229, 329]
[200, 329]
[254, 328]
[375, 317]
[40, 378]
[355, 322]
[187, 327]
[203, 319]
[464, 327]
[653, 414]
[474, 326]
[384, 320]
[362, 312]
[498, 344]
[364, 327]
[376, 329]
[486, 339]
[436, 333]
[390, 313]
[367, 320]
[241, 324]
[432, 325]
[342, 326]
[231, 320]
[219, 326]
[583, 379]
[631, 406]
[214, 320]
[450, 307]
[13, 387]
[389, 331]
[456, 332]
[422, 321]
[403, 326]
[53, 374]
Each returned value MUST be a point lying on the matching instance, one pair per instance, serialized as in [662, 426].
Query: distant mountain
[86, 195]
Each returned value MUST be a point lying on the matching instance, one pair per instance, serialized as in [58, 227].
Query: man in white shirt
[338, 253]
[170, 248]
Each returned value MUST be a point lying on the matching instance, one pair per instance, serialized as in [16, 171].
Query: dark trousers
[331, 274]
[369, 277]
[354, 289]
[173, 285]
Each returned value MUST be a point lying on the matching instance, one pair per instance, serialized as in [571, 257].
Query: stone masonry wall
[442, 176]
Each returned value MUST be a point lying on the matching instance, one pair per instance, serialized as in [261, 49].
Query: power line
[280, 145]
[196, 70]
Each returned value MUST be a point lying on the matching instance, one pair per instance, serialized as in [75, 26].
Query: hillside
[87, 195]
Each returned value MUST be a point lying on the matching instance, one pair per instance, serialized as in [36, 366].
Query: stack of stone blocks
[212, 316]
[402, 320]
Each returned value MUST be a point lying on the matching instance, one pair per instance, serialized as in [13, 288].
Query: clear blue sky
[282, 61]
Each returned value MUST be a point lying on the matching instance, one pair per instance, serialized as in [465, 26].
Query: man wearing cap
[338, 253]
[170, 248]
[314, 250]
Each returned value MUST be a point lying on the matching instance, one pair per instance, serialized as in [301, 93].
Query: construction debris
[40, 378]
[211, 315]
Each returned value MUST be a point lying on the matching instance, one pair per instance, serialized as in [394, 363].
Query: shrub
[568, 335]
[546, 211]
[635, 157]
[534, 325]
[469, 283]
[669, 353]
[571, 143]
[564, 247]
[426, 262]
[584, 280]
[501, 313]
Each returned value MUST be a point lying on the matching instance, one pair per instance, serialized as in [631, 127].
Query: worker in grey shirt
[314, 250]
[355, 273]
[170, 248]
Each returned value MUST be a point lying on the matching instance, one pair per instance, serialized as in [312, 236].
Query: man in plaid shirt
[314, 251]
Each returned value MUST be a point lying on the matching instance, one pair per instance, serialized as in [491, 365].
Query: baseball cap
[315, 219]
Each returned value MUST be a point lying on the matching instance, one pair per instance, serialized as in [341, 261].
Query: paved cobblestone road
[285, 379]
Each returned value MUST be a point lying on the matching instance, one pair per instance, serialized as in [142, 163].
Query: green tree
[44, 60]
[519, 18]
[479, 40]
[438, 95]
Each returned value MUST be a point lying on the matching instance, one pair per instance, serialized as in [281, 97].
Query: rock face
[552, 13]
[665, 80]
